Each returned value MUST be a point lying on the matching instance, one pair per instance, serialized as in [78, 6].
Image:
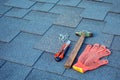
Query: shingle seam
[47, 2]
[7, 60]
[114, 12]
[112, 42]
[30, 9]
[63, 26]
[118, 68]
[3, 64]
[101, 2]
[47, 29]
[48, 71]
[31, 33]
[27, 13]
[41, 12]
[32, 5]
[64, 71]
[14, 37]
[53, 6]
[6, 12]
[28, 74]
[38, 58]
[79, 3]
[53, 73]
[106, 15]
[69, 6]
[93, 19]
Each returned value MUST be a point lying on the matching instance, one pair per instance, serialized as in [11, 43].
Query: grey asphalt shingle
[4, 9]
[1, 62]
[114, 59]
[117, 75]
[112, 24]
[69, 20]
[110, 1]
[20, 12]
[98, 74]
[48, 59]
[20, 3]
[41, 75]
[40, 22]
[42, 17]
[3, 1]
[115, 44]
[69, 2]
[115, 5]
[48, 1]
[42, 6]
[35, 27]
[17, 12]
[21, 50]
[30, 36]
[59, 9]
[50, 41]
[97, 0]
[12, 71]
[70, 16]
[10, 28]
[94, 10]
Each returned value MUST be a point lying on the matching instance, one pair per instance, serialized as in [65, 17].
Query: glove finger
[101, 48]
[95, 48]
[85, 53]
[92, 54]
[98, 64]
[102, 62]
[104, 53]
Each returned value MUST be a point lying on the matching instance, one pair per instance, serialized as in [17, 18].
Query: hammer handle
[74, 52]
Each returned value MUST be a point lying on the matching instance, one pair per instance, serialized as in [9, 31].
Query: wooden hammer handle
[74, 52]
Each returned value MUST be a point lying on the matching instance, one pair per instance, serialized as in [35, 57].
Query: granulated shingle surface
[30, 36]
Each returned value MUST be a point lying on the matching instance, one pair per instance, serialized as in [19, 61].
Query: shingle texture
[4, 9]
[21, 50]
[94, 10]
[10, 28]
[48, 1]
[17, 12]
[42, 6]
[113, 23]
[50, 41]
[69, 2]
[41, 75]
[114, 59]
[32, 31]
[11, 71]
[115, 44]
[48, 59]
[20, 3]
[111, 74]
[1, 63]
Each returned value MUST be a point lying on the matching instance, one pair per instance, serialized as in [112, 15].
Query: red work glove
[91, 58]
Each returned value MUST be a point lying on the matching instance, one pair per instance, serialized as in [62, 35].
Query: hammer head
[87, 34]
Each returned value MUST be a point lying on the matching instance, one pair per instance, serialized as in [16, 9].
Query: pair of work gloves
[90, 58]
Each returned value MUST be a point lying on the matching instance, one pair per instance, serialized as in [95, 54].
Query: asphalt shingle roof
[29, 37]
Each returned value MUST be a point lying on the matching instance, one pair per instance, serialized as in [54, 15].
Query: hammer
[77, 46]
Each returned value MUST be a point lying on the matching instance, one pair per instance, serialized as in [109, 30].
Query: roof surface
[30, 30]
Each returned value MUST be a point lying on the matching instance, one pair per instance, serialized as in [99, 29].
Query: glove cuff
[80, 67]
